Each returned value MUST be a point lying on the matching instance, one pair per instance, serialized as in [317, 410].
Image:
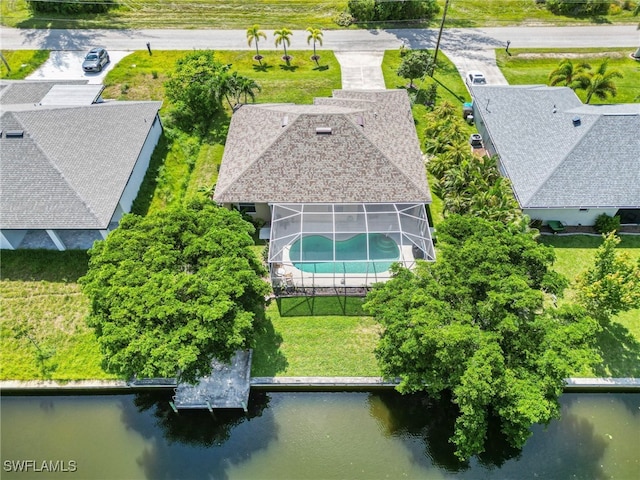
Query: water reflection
[195, 443]
[311, 435]
[578, 446]
[433, 422]
[197, 427]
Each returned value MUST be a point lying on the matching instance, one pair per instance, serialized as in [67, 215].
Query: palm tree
[573, 76]
[246, 86]
[315, 34]
[282, 37]
[253, 35]
[601, 83]
[226, 86]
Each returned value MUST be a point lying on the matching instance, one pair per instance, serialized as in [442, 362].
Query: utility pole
[435, 55]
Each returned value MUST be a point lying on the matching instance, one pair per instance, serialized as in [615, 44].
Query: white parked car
[476, 78]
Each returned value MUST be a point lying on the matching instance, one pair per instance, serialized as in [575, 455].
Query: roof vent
[323, 130]
[285, 121]
[576, 121]
[14, 134]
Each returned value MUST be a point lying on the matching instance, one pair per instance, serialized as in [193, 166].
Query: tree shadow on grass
[44, 265]
[264, 67]
[620, 352]
[150, 182]
[268, 360]
[304, 306]
[289, 68]
[321, 68]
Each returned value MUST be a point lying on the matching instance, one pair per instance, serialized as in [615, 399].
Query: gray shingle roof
[552, 162]
[70, 168]
[273, 153]
[20, 92]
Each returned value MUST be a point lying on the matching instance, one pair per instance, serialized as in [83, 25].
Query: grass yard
[315, 346]
[620, 341]
[532, 66]
[43, 334]
[500, 13]
[298, 14]
[222, 14]
[21, 63]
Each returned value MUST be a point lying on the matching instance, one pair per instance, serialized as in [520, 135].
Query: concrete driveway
[67, 65]
[361, 70]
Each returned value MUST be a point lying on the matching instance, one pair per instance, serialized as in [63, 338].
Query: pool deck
[302, 279]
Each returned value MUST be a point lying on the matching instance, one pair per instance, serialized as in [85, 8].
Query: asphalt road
[359, 51]
[340, 40]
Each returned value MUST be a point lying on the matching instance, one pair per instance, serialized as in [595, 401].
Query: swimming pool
[314, 254]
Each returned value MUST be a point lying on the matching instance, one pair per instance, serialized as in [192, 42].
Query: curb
[319, 384]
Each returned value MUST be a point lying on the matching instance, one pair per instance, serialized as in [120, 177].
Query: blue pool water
[314, 254]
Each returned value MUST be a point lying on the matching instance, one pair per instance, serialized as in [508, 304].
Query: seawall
[290, 384]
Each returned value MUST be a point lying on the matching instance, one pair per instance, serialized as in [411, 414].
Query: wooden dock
[227, 387]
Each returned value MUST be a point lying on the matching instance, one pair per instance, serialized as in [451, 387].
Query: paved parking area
[67, 65]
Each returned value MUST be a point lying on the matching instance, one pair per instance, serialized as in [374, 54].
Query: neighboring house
[71, 164]
[567, 161]
[341, 184]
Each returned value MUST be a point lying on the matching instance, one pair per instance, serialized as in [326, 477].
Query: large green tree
[171, 291]
[415, 64]
[474, 324]
[612, 284]
[192, 90]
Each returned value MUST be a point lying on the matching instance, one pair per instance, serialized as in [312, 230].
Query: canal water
[304, 436]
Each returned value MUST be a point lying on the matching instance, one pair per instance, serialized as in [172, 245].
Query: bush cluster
[607, 224]
[381, 10]
[72, 7]
[578, 8]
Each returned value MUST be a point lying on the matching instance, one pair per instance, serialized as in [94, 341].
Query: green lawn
[315, 346]
[292, 14]
[21, 63]
[43, 333]
[619, 342]
[223, 14]
[500, 13]
[532, 66]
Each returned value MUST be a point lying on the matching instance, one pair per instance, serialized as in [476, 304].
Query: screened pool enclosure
[326, 248]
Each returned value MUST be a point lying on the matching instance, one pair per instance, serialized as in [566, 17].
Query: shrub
[577, 8]
[362, 10]
[383, 10]
[606, 223]
[344, 19]
[70, 8]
